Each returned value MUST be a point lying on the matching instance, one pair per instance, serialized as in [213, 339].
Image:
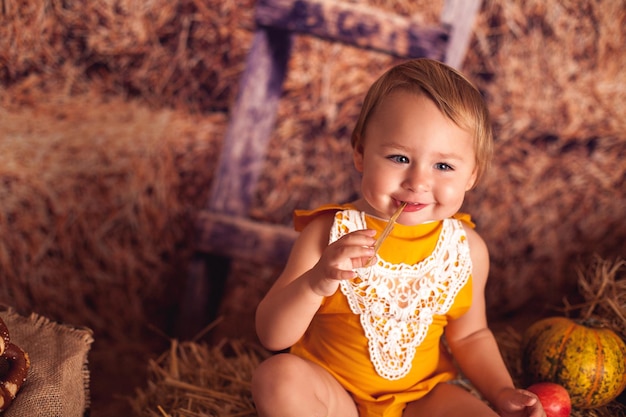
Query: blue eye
[442, 166]
[401, 159]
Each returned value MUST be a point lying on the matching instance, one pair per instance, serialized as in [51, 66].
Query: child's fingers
[340, 264]
[519, 399]
[345, 275]
[342, 256]
[360, 238]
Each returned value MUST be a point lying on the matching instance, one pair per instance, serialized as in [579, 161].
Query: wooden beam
[460, 16]
[243, 238]
[252, 121]
[360, 25]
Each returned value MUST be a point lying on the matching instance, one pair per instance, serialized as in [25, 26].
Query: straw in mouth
[388, 228]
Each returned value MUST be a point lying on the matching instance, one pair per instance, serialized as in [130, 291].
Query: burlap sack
[58, 381]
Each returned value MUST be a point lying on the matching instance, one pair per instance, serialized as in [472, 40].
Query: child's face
[412, 152]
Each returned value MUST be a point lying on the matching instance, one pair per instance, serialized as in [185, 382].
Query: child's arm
[313, 272]
[475, 349]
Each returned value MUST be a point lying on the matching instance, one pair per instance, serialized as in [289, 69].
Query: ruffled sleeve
[301, 218]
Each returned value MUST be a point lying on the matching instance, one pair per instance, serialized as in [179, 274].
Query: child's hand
[519, 403]
[339, 260]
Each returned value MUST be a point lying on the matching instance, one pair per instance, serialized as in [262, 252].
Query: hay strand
[602, 284]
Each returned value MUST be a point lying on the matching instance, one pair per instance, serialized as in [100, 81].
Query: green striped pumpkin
[590, 362]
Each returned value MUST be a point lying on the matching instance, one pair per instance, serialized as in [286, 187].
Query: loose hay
[194, 379]
[602, 285]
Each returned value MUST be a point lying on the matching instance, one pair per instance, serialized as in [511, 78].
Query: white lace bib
[396, 302]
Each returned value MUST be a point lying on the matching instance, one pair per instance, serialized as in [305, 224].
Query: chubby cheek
[370, 175]
[377, 188]
[371, 185]
[451, 195]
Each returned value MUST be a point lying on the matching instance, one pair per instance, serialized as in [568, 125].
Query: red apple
[553, 397]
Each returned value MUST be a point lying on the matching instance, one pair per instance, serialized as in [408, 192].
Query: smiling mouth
[410, 207]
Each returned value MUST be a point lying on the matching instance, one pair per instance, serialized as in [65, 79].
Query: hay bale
[183, 54]
[544, 207]
[158, 52]
[549, 102]
[552, 77]
[98, 203]
[96, 200]
[551, 67]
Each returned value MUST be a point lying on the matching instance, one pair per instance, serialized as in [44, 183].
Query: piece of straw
[388, 228]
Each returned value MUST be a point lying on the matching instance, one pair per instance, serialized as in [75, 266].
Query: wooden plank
[242, 238]
[252, 121]
[460, 16]
[360, 25]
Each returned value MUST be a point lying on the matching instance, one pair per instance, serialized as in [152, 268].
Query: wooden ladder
[224, 229]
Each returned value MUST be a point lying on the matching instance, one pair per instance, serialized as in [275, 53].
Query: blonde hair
[455, 96]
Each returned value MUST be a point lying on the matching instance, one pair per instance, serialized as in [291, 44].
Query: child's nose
[417, 179]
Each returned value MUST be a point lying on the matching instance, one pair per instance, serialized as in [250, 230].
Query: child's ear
[472, 180]
[357, 157]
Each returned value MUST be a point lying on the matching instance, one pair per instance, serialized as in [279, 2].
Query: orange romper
[380, 334]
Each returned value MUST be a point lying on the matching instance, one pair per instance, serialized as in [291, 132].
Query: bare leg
[286, 385]
[449, 400]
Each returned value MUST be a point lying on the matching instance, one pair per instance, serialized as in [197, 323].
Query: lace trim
[396, 302]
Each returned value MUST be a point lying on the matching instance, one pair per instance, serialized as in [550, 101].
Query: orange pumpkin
[589, 361]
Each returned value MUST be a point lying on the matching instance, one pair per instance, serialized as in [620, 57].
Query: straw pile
[194, 379]
[549, 102]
